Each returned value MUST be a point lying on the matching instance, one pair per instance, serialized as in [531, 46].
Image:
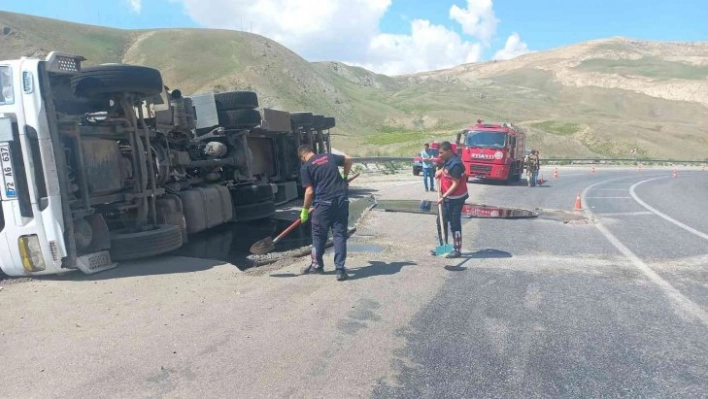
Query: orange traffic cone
[703, 167]
[675, 174]
[592, 170]
[541, 181]
[555, 173]
[578, 204]
[639, 167]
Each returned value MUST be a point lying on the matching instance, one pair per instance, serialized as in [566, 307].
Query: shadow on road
[481, 254]
[378, 268]
[375, 268]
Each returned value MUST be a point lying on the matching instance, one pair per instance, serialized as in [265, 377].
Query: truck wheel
[236, 100]
[240, 118]
[102, 80]
[301, 119]
[328, 123]
[251, 194]
[416, 171]
[251, 212]
[162, 238]
[318, 122]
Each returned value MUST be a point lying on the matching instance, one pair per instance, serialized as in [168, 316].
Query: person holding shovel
[328, 191]
[453, 190]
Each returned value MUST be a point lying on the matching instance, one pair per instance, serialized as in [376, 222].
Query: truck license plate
[7, 173]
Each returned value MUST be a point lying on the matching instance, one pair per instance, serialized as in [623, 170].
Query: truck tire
[236, 100]
[318, 122]
[240, 118]
[301, 119]
[251, 212]
[328, 122]
[251, 194]
[102, 80]
[161, 239]
[417, 170]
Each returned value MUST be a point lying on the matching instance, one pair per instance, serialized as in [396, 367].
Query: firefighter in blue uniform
[327, 190]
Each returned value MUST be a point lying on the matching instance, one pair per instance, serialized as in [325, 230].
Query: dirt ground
[182, 327]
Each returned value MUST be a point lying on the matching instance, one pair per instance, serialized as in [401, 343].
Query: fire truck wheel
[318, 122]
[301, 119]
[240, 118]
[102, 80]
[236, 100]
[251, 194]
[328, 123]
[162, 238]
[251, 212]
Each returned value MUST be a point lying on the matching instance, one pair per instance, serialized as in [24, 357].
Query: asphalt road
[611, 305]
[613, 308]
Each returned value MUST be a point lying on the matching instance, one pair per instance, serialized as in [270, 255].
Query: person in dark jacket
[327, 190]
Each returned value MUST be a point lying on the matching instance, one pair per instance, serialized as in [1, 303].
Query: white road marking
[662, 215]
[675, 295]
[639, 213]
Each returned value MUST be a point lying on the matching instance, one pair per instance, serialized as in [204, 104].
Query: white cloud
[477, 19]
[514, 47]
[135, 5]
[348, 31]
[427, 47]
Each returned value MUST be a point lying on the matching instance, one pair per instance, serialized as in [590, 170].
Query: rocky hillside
[598, 98]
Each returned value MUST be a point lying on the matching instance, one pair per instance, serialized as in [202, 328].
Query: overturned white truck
[104, 164]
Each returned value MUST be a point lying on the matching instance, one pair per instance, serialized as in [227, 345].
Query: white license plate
[7, 172]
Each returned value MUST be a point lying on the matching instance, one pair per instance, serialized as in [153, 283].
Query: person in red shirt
[453, 187]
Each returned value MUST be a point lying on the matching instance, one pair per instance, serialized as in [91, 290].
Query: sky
[399, 36]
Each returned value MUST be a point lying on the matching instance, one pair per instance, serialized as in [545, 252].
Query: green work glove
[345, 176]
[304, 215]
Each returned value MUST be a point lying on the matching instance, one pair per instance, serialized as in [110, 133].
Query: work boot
[312, 269]
[342, 275]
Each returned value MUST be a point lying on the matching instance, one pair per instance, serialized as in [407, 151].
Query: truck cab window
[6, 90]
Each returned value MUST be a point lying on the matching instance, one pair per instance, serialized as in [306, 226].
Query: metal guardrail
[546, 160]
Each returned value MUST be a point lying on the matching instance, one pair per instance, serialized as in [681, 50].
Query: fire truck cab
[492, 151]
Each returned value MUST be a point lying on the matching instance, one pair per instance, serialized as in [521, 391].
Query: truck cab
[492, 151]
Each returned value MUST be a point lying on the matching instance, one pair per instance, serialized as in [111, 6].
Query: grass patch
[557, 127]
[650, 67]
[389, 136]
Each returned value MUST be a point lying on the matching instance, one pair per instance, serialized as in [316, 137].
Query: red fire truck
[492, 151]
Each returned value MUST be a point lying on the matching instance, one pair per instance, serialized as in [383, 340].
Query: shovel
[267, 244]
[445, 248]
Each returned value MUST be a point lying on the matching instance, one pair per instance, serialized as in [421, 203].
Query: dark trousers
[330, 215]
[452, 219]
[428, 174]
